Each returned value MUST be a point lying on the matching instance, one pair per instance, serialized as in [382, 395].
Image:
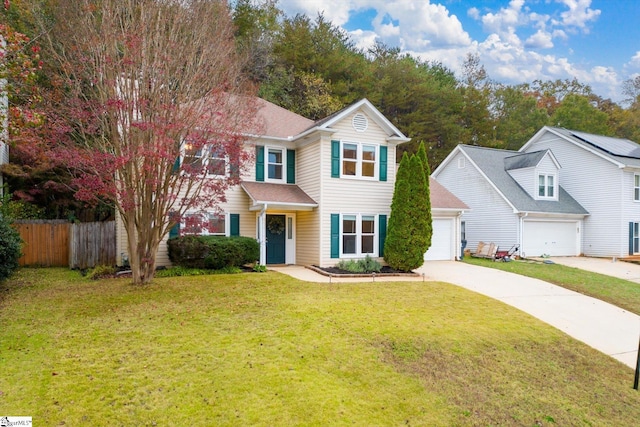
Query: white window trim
[358, 254]
[282, 180]
[359, 161]
[546, 186]
[227, 225]
[204, 158]
[636, 187]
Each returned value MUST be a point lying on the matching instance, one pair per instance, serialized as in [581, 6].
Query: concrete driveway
[603, 326]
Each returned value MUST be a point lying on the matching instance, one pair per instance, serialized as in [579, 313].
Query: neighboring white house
[319, 192]
[515, 198]
[603, 174]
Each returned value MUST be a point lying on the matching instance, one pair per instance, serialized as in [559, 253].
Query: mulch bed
[335, 271]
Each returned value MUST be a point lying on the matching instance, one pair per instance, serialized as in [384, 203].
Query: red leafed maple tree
[156, 87]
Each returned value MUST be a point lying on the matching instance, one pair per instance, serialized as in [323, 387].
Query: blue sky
[595, 41]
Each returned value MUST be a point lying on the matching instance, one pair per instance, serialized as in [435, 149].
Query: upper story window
[275, 164]
[208, 159]
[546, 186]
[359, 160]
[636, 188]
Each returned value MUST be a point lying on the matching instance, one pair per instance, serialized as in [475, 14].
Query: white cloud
[579, 14]
[429, 31]
[539, 40]
[634, 63]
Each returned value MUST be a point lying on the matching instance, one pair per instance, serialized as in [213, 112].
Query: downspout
[522, 217]
[262, 231]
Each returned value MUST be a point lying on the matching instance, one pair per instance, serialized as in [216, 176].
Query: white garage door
[551, 238]
[441, 240]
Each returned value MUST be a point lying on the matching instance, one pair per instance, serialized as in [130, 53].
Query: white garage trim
[442, 240]
[554, 238]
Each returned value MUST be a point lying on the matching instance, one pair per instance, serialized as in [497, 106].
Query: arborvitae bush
[10, 248]
[406, 240]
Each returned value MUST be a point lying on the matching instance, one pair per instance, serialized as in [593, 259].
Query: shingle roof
[524, 160]
[491, 162]
[279, 122]
[441, 198]
[282, 194]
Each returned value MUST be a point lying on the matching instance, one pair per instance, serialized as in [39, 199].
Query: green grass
[266, 349]
[620, 292]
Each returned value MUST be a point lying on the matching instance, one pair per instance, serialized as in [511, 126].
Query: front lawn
[266, 349]
[619, 292]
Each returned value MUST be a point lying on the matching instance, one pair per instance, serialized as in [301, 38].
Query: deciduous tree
[148, 80]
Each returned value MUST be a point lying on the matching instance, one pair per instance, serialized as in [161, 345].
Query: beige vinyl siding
[308, 223]
[596, 184]
[352, 196]
[491, 218]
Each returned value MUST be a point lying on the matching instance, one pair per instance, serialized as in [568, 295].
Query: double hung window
[636, 188]
[207, 159]
[359, 160]
[275, 164]
[358, 235]
[203, 224]
[546, 186]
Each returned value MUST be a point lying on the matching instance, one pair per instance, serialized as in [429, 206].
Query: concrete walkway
[603, 326]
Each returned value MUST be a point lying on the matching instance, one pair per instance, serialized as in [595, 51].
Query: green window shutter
[335, 236]
[176, 165]
[174, 231]
[335, 159]
[382, 233]
[383, 163]
[234, 224]
[259, 163]
[291, 166]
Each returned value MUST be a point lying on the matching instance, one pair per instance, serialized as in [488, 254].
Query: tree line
[306, 65]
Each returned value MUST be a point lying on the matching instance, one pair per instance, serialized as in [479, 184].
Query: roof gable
[371, 111]
[602, 146]
[490, 162]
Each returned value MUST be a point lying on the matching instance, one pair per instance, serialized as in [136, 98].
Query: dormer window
[546, 186]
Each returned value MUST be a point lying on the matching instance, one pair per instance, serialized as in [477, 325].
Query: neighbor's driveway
[603, 326]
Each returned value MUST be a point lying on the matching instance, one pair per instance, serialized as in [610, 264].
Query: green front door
[276, 233]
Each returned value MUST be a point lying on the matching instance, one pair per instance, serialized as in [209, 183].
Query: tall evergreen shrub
[422, 155]
[10, 248]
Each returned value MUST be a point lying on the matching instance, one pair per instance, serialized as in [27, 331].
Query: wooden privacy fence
[63, 244]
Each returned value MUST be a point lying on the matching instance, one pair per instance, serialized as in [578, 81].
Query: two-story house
[515, 198]
[317, 192]
[564, 192]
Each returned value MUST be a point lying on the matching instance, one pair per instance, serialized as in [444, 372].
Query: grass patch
[619, 292]
[266, 349]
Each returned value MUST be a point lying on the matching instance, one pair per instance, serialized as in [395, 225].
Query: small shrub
[10, 248]
[100, 272]
[366, 265]
[259, 268]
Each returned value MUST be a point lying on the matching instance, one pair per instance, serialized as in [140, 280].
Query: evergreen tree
[422, 156]
[406, 240]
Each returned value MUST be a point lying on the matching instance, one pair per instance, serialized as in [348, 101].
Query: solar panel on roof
[616, 146]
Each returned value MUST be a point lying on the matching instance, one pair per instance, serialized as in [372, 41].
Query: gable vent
[360, 122]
